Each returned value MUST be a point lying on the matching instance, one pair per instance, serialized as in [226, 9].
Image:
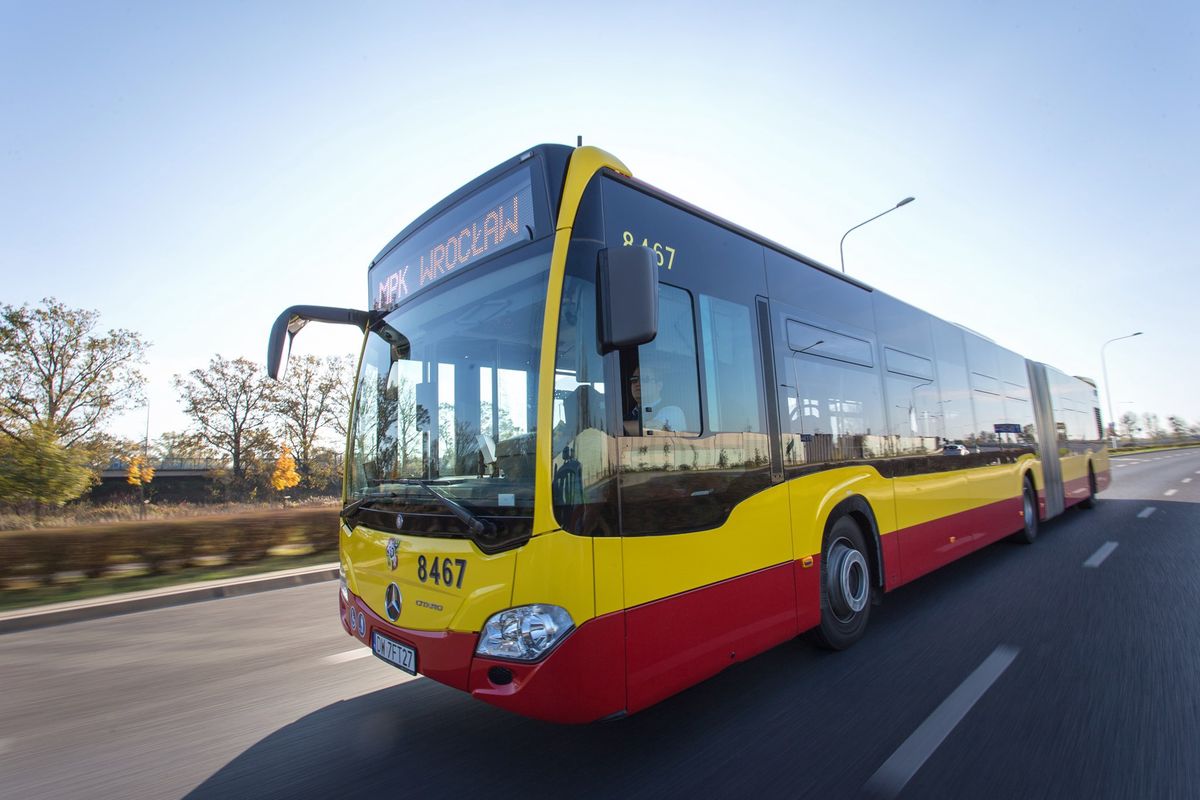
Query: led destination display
[486, 223]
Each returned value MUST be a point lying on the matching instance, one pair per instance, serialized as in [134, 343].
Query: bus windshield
[447, 391]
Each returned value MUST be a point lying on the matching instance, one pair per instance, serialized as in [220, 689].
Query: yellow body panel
[755, 536]
[815, 496]
[924, 498]
[556, 568]
[429, 605]
[1074, 467]
[994, 483]
[609, 559]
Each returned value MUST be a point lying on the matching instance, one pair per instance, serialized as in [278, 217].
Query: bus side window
[661, 380]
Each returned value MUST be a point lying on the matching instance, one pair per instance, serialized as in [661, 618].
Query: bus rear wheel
[1029, 513]
[845, 586]
[1090, 500]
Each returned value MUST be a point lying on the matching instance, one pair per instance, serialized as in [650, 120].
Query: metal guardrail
[171, 465]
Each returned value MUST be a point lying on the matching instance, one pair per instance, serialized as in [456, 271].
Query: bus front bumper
[580, 680]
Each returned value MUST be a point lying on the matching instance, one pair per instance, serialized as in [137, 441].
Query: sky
[190, 170]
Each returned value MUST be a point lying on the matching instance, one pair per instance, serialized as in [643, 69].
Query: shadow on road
[778, 724]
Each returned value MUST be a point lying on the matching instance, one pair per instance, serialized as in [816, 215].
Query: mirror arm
[288, 324]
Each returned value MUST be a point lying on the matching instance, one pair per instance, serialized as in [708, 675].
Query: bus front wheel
[845, 586]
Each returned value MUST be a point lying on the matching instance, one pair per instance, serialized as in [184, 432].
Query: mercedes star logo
[392, 601]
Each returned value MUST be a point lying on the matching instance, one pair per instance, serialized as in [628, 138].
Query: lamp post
[841, 249]
[1107, 389]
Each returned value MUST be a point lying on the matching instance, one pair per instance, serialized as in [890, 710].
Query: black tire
[845, 586]
[1029, 514]
[1090, 500]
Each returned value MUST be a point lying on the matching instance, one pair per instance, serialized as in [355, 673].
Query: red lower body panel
[679, 641]
[444, 656]
[925, 547]
[1077, 490]
[582, 680]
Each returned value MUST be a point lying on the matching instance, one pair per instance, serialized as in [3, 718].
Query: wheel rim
[847, 580]
[1030, 513]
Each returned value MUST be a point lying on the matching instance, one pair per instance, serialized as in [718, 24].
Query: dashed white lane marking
[1098, 557]
[1169, 492]
[349, 655]
[1148, 511]
[898, 770]
[1186, 480]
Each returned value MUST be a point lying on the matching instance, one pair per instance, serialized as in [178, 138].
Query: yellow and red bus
[605, 444]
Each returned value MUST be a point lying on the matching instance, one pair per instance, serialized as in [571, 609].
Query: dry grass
[84, 515]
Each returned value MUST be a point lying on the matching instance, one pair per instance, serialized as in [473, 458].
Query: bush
[163, 545]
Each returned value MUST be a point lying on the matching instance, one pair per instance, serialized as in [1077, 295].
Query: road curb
[111, 606]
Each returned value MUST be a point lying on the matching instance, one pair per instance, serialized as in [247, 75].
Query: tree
[1153, 430]
[1179, 426]
[140, 472]
[178, 447]
[343, 397]
[285, 475]
[59, 374]
[1129, 424]
[37, 468]
[306, 403]
[230, 404]
[140, 475]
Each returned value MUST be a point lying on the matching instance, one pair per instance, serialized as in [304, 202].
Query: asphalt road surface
[1070, 668]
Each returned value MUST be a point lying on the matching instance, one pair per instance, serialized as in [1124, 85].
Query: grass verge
[85, 589]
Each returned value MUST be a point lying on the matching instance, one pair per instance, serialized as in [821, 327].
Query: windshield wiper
[477, 525]
[352, 508]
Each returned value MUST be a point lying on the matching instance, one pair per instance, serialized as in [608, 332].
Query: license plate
[396, 654]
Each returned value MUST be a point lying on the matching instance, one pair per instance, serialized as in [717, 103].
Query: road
[1069, 668]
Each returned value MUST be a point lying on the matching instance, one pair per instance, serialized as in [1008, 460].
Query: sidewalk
[77, 611]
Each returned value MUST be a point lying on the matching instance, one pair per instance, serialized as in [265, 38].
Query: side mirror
[289, 323]
[627, 293]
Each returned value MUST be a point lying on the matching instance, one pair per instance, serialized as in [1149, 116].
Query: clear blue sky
[190, 170]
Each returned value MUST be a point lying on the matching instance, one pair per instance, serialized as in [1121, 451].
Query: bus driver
[647, 404]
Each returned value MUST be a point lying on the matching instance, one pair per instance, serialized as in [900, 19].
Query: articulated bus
[605, 444]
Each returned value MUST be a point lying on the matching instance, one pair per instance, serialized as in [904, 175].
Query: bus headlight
[525, 633]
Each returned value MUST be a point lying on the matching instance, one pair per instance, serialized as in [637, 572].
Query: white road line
[1186, 480]
[1098, 557]
[349, 655]
[1148, 511]
[898, 770]
[1169, 492]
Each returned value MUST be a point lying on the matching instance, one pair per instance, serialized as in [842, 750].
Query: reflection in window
[662, 391]
[913, 416]
[441, 373]
[732, 383]
[834, 414]
[671, 482]
[584, 482]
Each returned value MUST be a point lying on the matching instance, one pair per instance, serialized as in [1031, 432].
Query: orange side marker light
[806, 562]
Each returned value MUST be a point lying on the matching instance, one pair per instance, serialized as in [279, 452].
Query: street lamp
[1107, 389]
[842, 251]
